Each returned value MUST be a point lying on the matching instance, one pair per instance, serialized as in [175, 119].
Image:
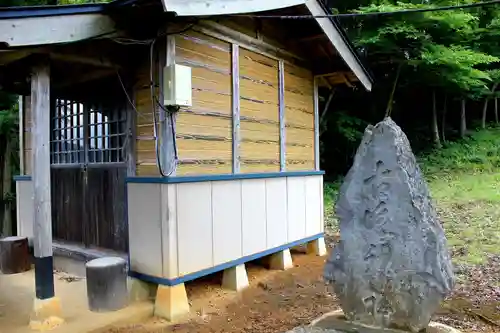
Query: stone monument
[391, 268]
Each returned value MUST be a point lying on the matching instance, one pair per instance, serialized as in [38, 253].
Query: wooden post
[170, 120]
[21, 135]
[235, 88]
[316, 125]
[281, 93]
[47, 307]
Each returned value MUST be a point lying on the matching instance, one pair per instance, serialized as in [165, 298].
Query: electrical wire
[406, 11]
[154, 99]
[155, 115]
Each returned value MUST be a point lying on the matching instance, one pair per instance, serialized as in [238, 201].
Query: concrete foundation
[235, 278]
[281, 260]
[317, 247]
[171, 302]
[336, 321]
[140, 291]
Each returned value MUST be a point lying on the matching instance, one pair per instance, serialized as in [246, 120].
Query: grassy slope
[464, 178]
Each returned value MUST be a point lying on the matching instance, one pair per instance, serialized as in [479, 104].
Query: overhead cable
[405, 11]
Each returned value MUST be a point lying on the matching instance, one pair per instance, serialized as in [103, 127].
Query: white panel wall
[276, 212]
[253, 216]
[194, 226]
[205, 224]
[145, 228]
[296, 205]
[226, 221]
[314, 214]
[24, 202]
[169, 231]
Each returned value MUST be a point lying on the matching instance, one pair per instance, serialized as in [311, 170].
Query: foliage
[478, 153]
[464, 181]
[453, 55]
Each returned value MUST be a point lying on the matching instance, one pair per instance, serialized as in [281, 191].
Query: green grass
[464, 178]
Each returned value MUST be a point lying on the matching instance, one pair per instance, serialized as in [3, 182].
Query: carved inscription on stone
[392, 267]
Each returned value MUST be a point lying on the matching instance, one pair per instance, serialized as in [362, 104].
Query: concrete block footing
[317, 247]
[171, 302]
[235, 278]
[281, 260]
[139, 291]
[46, 314]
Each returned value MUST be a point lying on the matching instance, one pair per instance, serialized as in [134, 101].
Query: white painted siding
[253, 216]
[226, 220]
[296, 205]
[24, 202]
[276, 212]
[194, 227]
[205, 224]
[145, 228]
[169, 231]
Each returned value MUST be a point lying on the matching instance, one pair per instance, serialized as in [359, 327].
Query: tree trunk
[485, 106]
[443, 119]
[7, 188]
[485, 109]
[496, 110]
[435, 127]
[463, 121]
[391, 96]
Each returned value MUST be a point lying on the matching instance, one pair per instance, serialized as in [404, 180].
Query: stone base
[317, 247]
[139, 291]
[46, 314]
[281, 260]
[235, 278]
[336, 322]
[171, 302]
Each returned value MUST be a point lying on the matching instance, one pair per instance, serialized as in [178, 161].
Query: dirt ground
[279, 301]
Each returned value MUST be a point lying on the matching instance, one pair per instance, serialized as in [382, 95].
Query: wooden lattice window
[87, 134]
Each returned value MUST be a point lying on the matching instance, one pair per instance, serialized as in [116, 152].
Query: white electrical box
[177, 85]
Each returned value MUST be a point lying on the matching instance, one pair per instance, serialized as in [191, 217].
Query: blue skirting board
[209, 178]
[206, 178]
[218, 268]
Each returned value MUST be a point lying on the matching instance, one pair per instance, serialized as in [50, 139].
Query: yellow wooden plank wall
[204, 131]
[259, 113]
[145, 144]
[299, 118]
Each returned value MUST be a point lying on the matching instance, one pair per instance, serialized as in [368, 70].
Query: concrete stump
[14, 255]
[107, 284]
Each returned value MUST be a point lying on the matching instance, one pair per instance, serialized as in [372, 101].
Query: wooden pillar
[316, 125]
[21, 134]
[47, 307]
[281, 92]
[170, 117]
[235, 89]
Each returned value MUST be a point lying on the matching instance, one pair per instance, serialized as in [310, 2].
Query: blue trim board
[208, 178]
[218, 268]
[205, 178]
[22, 178]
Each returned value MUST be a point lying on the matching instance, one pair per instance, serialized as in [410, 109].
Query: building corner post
[47, 308]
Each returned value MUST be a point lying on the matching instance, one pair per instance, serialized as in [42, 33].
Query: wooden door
[88, 157]
[88, 207]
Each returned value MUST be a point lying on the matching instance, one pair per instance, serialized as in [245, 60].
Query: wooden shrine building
[182, 134]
